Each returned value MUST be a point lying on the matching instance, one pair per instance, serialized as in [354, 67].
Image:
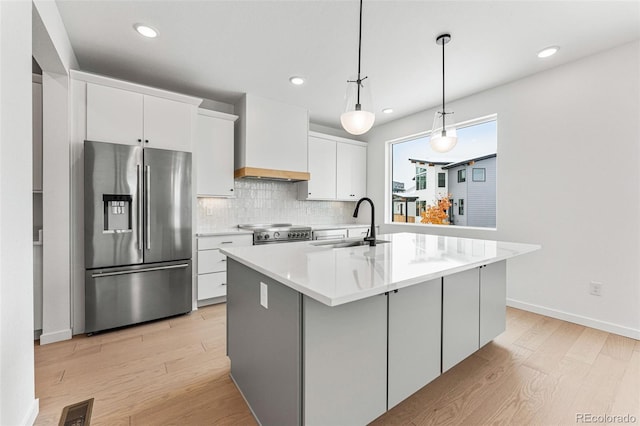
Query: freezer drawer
[115, 297]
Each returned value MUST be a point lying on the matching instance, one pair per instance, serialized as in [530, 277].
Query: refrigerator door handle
[147, 192]
[140, 213]
[135, 271]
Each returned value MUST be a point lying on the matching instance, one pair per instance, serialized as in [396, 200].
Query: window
[421, 178]
[413, 164]
[479, 175]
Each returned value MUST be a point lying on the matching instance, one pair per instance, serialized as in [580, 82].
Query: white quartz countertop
[223, 231]
[335, 276]
[338, 226]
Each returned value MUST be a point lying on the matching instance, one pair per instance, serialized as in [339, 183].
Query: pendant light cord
[359, 80]
[444, 131]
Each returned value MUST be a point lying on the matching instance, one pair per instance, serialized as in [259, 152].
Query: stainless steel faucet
[372, 233]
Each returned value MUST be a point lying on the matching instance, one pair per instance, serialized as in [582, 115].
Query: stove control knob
[266, 236]
[276, 235]
[258, 237]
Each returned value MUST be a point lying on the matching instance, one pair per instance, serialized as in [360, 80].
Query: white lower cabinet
[473, 311]
[414, 339]
[212, 265]
[493, 294]
[460, 317]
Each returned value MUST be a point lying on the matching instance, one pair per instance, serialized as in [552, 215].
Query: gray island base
[299, 361]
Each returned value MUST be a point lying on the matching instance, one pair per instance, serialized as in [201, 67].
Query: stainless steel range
[278, 233]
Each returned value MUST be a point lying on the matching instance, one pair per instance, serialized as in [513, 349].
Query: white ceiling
[221, 49]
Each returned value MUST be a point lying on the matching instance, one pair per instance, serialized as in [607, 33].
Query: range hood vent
[271, 140]
[270, 174]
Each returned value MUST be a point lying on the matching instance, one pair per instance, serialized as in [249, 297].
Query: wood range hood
[271, 140]
[271, 174]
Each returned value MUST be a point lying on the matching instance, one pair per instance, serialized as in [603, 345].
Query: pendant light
[356, 120]
[443, 134]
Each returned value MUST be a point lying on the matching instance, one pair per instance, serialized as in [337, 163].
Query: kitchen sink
[345, 243]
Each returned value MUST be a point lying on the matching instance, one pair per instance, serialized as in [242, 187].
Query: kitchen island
[323, 334]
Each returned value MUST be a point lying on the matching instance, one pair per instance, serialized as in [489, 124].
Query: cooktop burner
[277, 232]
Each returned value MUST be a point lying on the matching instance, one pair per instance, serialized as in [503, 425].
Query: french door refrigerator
[137, 234]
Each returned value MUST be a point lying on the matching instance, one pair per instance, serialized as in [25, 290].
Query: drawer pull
[223, 284]
[227, 242]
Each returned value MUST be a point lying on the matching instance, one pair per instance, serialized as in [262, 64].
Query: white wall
[568, 178]
[18, 405]
[53, 52]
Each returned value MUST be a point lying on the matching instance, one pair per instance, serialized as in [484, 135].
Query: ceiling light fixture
[146, 30]
[548, 51]
[355, 119]
[387, 110]
[443, 134]
[296, 81]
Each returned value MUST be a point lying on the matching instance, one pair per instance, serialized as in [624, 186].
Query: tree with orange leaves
[437, 214]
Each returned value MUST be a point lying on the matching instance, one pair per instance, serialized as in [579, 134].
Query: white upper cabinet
[271, 139]
[351, 171]
[114, 115]
[214, 148]
[167, 124]
[322, 167]
[338, 169]
[133, 115]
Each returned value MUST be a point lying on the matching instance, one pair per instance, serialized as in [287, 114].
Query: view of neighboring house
[471, 183]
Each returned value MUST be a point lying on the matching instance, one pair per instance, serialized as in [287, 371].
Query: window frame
[462, 175]
[388, 209]
[484, 174]
[444, 180]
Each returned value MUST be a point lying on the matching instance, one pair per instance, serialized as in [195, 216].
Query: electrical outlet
[264, 295]
[595, 288]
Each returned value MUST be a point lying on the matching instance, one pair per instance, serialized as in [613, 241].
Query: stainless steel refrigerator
[137, 234]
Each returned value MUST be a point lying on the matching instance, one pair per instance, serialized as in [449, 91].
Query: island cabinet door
[460, 316]
[414, 339]
[493, 300]
[345, 362]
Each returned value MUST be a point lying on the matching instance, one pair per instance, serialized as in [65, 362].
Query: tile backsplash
[262, 201]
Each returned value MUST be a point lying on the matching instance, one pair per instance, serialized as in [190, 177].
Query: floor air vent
[78, 414]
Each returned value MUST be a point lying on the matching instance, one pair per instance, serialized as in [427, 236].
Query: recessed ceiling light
[296, 81]
[549, 51]
[146, 30]
[387, 110]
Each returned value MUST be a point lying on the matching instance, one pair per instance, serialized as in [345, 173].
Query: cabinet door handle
[139, 140]
[231, 190]
[146, 141]
[223, 284]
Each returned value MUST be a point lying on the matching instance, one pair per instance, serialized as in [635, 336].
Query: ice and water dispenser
[117, 213]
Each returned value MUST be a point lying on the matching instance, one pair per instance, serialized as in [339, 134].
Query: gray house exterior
[472, 185]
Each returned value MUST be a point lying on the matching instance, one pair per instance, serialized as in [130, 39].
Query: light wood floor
[541, 371]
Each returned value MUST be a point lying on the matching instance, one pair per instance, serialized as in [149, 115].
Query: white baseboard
[56, 336]
[30, 417]
[577, 319]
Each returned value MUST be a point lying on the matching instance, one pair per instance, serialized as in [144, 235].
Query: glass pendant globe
[443, 142]
[357, 122]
